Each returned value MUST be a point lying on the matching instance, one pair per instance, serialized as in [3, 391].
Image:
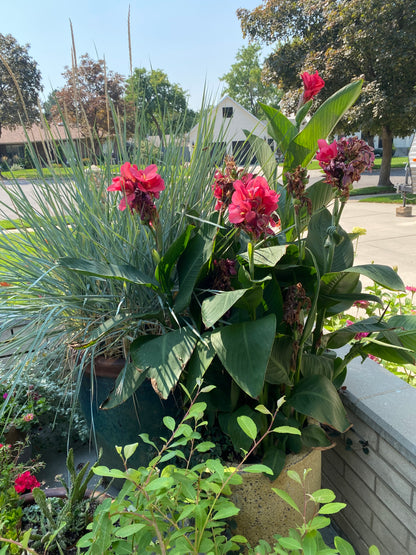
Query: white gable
[231, 119]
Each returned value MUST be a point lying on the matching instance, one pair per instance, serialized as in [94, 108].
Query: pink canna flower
[149, 181]
[140, 187]
[326, 152]
[312, 83]
[252, 204]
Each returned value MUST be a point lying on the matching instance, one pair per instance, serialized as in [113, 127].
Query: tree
[245, 84]
[343, 40]
[158, 101]
[85, 98]
[20, 84]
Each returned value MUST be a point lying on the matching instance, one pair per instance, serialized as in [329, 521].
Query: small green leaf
[169, 422]
[105, 471]
[159, 484]
[226, 512]
[293, 475]
[323, 496]
[248, 426]
[287, 430]
[256, 468]
[373, 550]
[129, 450]
[129, 530]
[331, 508]
[344, 547]
[319, 522]
[290, 543]
[263, 409]
[286, 497]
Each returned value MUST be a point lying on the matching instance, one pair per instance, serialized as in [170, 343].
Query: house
[13, 141]
[231, 119]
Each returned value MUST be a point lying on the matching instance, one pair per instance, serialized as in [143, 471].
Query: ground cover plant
[395, 304]
[185, 507]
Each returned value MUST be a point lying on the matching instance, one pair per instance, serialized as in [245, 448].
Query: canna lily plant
[245, 291]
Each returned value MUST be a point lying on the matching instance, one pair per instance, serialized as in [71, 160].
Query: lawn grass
[372, 191]
[397, 162]
[391, 199]
[12, 224]
[33, 173]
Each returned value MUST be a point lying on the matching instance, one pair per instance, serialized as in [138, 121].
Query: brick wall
[373, 466]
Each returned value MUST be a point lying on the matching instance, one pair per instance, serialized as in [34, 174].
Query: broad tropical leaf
[165, 357]
[383, 275]
[280, 127]
[190, 263]
[303, 147]
[214, 308]
[316, 396]
[316, 241]
[244, 350]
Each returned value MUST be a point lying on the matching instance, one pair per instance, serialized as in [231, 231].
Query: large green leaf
[341, 337]
[383, 275]
[334, 287]
[280, 127]
[213, 308]
[168, 261]
[316, 396]
[320, 194]
[244, 350]
[278, 368]
[303, 147]
[199, 362]
[165, 357]
[196, 254]
[316, 242]
[267, 257]
[317, 364]
[123, 272]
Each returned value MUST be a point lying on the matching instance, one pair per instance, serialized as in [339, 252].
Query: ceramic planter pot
[262, 512]
[142, 413]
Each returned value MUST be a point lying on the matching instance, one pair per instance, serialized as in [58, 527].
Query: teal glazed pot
[142, 413]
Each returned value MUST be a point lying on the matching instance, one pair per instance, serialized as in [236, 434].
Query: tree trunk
[384, 178]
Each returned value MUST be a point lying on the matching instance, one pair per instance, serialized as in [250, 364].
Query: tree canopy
[344, 40]
[245, 83]
[158, 101]
[85, 97]
[20, 84]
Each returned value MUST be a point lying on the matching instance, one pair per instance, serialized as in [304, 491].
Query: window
[227, 112]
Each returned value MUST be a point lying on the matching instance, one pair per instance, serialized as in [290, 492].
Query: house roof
[36, 134]
[228, 98]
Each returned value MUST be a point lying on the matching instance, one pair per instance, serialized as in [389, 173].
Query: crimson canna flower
[140, 187]
[312, 83]
[252, 205]
[326, 152]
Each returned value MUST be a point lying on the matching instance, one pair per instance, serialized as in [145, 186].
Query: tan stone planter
[404, 211]
[262, 512]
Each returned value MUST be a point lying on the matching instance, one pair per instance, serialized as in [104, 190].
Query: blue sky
[193, 41]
